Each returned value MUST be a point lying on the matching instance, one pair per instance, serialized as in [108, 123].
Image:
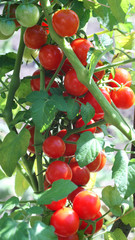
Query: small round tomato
[80, 123]
[56, 205]
[58, 170]
[81, 47]
[103, 161]
[31, 142]
[54, 147]
[50, 56]
[72, 85]
[70, 148]
[93, 166]
[99, 75]
[99, 224]
[66, 67]
[80, 175]
[35, 83]
[65, 22]
[72, 195]
[27, 14]
[122, 76]
[7, 27]
[86, 204]
[29, 53]
[4, 37]
[35, 37]
[71, 237]
[123, 98]
[65, 221]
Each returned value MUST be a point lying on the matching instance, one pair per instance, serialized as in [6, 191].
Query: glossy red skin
[93, 166]
[70, 148]
[80, 175]
[103, 162]
[65, 222]
[81, 47]
[123, 98]
[72, 195]
[86, 204]
[56, 205]
[98, 110]
[72, 237]
[35, 37]
[31, 142]
[45, 25]
[99, 75]
[35, 83]
[58, 170]
[50, 56]
[122, 76]
[99, 224]
[72, 85]
[80, 123]
[65, 22]
[12, 12]
[54, 147]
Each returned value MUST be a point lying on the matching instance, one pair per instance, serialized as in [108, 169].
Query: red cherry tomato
[66, 67]
[65, 222]
[93, 166]
[80, 175]
[72, 237]
[31, 143]
[70, 148]
[56, 205]
[35, 83]
[99, 75]
[72, 195]
[80, 123]
[58, 170]
[123, 98]
[102, 163]
[81, 47]
[50, 56]
[54, 147]
[122, 76]
[72, 85]
[99, 224]
[86, 204]
[65, 22]
[35, 37]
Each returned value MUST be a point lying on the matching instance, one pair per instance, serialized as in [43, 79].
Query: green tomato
[27, 14]
[29, 53]
[7, 26]
[4, 37]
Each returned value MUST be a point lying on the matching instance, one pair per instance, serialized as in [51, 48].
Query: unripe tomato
[7, 27]
[58, 170]
[72, 195]
[93, 166]
[31, 142]
[122, 76]
[99, 75]
[81, 47]
[123, 97]
[65, 22]
[72, 85]
[4, 37]
[56, 205]
[27, 14]
[28, 53]
[80, 123]
[80, 175]
[65, 221]
[35, 83]
[35, 37]
[54, 147]
[72, 237]
[86, 204]
[50, 56]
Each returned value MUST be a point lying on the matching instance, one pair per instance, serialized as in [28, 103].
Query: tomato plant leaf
[88, 148]
[120, 172]
[41, 231]
[14, 146]
[119, 9]
[9, 204]
[59, 102]
[34, 210]
[72, 108]
[117, 234]
[20, 181]
[59, 190]
[87, 112]
[7, 62]
[129, 218]
[24, 89]
[131, 178]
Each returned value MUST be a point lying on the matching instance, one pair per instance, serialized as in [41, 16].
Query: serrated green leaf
[119, 9]
[72, 108]
[87, 112]
[20, 181]
[59, 190]
[119, 234]
[120, 172]
[129, 218]
[34, 210]
[88, 148]
[7, 62]
[126, 42]
[24, 89]
[14, 146]
[36, 95]
[131, 178]
[10, 204]
[41, 231]
[59, 102]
